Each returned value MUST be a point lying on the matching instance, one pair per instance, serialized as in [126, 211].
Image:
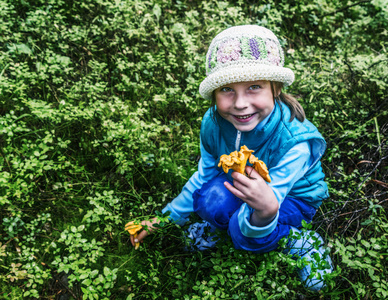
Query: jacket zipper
[238, 139]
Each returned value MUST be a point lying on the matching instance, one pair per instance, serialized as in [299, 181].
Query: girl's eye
[225, 89]
[254, 87]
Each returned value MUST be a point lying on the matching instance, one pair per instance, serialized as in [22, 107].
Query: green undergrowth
[99, 125]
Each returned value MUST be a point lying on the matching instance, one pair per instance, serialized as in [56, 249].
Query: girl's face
[245, 104]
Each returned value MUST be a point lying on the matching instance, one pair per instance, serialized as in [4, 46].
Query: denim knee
[214, 203]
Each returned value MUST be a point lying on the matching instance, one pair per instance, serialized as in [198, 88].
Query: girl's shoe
[201, 237]
[310, 247]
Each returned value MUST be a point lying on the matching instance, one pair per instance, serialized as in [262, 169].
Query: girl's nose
[240, 101]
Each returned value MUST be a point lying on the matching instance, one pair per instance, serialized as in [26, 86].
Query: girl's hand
[147, 229]
[254, 191]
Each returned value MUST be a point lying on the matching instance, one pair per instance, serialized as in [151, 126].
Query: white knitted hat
[244, 53]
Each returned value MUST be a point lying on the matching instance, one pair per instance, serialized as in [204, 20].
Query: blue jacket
[270, 144]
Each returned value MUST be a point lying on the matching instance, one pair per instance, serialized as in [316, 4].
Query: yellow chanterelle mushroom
[238, 160]
[133, 229]
[260, 167]
[235, 160]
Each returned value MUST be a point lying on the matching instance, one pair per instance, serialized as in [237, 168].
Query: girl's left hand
[254, 191]
[147, 227]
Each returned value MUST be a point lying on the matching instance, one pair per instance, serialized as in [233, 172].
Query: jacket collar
[255, 138]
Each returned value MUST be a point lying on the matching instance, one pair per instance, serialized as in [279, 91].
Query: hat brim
[242, 74]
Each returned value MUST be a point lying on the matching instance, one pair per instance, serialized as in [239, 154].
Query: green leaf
[157, 11]
[376, 246]
[94, 273]
[365, 243]
[87, 282]
[107, 285]
[22, 48]
[84, 275]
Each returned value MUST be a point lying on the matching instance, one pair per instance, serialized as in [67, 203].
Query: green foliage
[99, 124]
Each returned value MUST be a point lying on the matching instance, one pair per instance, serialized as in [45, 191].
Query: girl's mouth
[244, 118]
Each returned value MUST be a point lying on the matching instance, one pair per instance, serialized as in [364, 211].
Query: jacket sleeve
[181, 207]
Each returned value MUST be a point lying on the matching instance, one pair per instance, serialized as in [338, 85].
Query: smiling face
[245, 104]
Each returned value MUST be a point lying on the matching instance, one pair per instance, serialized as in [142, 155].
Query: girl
[245, 77]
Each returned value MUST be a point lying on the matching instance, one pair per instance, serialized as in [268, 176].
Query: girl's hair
[296, 109]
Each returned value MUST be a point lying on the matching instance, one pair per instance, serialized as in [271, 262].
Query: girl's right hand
[148, 227]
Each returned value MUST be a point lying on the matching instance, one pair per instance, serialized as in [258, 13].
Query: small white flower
[62, 102]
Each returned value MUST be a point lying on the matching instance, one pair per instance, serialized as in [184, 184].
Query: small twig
[2, 71]
[379, 182]
[376, 63]
[350, 69]
[357, 199]
[353, 218]
[62, 284]
[249, 175]
[357, 230]
[346, 7]
[359, 186]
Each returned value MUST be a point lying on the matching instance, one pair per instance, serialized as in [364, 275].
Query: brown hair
[296, 109]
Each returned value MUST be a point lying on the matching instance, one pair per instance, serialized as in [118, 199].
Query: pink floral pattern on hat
[229, 50]
[273, 52]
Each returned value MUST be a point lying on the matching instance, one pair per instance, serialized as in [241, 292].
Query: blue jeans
[215, 204]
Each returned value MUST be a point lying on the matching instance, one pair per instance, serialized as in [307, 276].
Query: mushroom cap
[235, 160]
[238, 160]
[133, 228]
[260, 167]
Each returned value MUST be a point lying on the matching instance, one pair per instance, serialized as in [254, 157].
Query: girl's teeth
[244, 117]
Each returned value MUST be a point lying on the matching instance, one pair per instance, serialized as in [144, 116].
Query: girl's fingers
[145, 229]
[132, 240]
[141, 236]
[246, 182]
[252, 173]
[234, 191]
[238, 176]
[243, 179]
[241, 182]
